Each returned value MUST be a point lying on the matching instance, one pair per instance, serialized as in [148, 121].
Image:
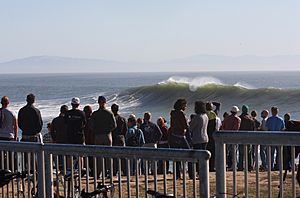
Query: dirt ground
[263, 181]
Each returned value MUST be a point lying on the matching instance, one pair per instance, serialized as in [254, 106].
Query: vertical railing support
[48, 175]
[41, 172]
[220, 170]
[204, 178]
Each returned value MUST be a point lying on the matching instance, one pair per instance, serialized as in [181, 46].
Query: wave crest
[193, 83]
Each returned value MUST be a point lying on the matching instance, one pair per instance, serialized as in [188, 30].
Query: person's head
[209, 106]
[264, 114]
[30, 99]
[139, 122]
[245, 109]
[87, 111]
[253, 114]
[161, 121]
[4, 101]
[147, 116]
[75, 102]
[234, 110]
[114, 108]
[101, 101]
[200, 107]
[274, 111]
[225, 114]
[287, 117]
[131, 121]
[180, 104]
[63, 109]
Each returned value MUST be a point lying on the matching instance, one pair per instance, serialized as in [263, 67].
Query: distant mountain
[55, 64]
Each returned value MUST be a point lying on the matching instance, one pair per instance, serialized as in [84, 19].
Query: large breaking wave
[165, 93]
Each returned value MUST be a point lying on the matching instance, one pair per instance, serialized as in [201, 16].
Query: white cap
[75, 101]
[235, 109]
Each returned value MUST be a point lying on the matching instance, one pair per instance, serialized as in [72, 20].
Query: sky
[156, 30]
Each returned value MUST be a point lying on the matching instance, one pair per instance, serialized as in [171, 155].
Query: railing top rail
[20, 146]
[127, 152]
[285, 138]
[107, 151]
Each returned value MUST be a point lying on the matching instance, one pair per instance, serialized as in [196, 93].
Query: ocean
[155, 92]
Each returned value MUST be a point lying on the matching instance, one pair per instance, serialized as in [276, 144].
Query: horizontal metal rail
[50, 157]
[270, 140]
[128, 152]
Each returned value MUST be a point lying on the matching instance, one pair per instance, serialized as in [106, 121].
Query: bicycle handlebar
[159, 195]
[6, 176]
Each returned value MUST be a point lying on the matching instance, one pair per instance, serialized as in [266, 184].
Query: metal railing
[243, 140]
[120, 166]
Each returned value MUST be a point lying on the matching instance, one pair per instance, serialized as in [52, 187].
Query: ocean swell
[165, 94]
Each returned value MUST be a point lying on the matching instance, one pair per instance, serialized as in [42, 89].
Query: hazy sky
[153, 30]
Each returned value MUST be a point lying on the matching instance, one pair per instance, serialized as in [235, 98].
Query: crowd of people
[107, 127]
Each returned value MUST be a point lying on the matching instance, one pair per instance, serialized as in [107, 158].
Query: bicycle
[100, 190]
[7, 176]
[156, 194]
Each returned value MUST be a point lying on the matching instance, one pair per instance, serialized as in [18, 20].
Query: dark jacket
[247, 123]
[152, 132]
[179, 124]
[118, 134]
[103, 122]
[58, 130]
[75, 121]
[30, 120]
[165, 133]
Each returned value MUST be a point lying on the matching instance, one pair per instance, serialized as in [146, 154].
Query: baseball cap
[75, 101]
[235, 109]
[101, 99]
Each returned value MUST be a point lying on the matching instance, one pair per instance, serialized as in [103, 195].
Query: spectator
[211, 129]
[198, 128]
[8, 130]
[30, 121]
[247, 124]
[178, 130]
[58, 128]
[75, 122]
[163, 143]
[88, 133]
[231, 123]
[275, 123]
[103, 123]
[118, 136]
[134, 138]
[263, 148]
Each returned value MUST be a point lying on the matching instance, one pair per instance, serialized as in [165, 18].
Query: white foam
[243, 85]
[194, 83]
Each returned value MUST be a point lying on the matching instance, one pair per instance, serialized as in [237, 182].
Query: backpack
[134, 140]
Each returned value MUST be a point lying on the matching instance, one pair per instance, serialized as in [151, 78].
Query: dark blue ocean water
[155, 92]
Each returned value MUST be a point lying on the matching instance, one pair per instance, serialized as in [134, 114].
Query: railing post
[48, 174]
[41, 172]
[204, 177]
[220, 170]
